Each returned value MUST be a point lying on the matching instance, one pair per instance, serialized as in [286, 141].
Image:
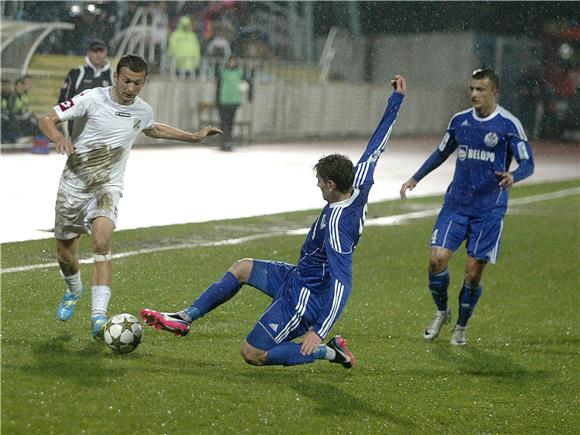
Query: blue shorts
[284, 319]
[482, 232]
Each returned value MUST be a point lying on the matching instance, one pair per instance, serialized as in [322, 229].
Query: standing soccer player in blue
[307, 298]
[487, 138]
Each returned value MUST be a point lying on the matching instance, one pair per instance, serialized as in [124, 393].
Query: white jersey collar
[488, 117]
[346, 202]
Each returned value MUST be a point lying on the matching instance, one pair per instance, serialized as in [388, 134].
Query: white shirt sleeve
[76, 107]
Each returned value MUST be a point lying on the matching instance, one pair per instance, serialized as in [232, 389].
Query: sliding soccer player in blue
[487, 137]
[307, 298]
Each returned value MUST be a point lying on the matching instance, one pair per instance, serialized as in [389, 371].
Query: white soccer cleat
[440, 318]
[458, 336]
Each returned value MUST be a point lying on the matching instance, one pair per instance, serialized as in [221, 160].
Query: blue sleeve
[365, 167]
[339, 249]
[522, 151]
[443, 151]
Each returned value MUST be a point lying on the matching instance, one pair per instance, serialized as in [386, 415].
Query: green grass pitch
[519, 373]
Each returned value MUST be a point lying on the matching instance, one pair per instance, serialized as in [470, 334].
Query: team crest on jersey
[491, 139]
[462, 152]
[136, 124]
[65, 105]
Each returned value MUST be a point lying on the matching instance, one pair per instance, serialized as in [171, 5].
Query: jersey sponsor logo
[122, 114]
[491, 139]
[273, 326]
[136, 124]
[443, 143]
[65, 105]
[486, 156]
[464, 152]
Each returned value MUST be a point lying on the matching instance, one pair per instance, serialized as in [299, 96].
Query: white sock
[101, 295]
[330, 353]
[73, 282]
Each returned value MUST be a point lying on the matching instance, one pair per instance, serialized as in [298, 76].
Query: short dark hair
[482, 73]
[134, 63]
[338, 168]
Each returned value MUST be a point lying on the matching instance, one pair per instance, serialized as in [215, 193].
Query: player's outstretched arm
[47, 125]
[410, 184]
[165, 131]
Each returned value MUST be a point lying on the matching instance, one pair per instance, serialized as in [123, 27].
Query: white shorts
[74, 212]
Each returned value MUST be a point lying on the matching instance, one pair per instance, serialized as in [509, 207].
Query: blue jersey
[484, 146]
[325, 266]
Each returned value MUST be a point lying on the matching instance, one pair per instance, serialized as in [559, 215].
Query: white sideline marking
[382, 221]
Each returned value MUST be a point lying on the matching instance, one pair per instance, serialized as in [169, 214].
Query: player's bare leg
[66, 254]
[438, 284]
[253, 355]
[102, 233]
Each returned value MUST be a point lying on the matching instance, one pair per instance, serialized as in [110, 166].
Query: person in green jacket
[184, 48]
[229, 97]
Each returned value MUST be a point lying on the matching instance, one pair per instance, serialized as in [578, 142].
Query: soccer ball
[123, 333]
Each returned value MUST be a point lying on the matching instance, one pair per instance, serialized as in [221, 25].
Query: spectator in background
[95, 73]
[229, 97]
[7, 125]
[219, 47]
[184, 48]
[24, 122]
[255, 47]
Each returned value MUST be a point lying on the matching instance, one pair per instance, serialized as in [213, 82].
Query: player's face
[128, 85]
[325, 187]
[483, 95]
[97, 57]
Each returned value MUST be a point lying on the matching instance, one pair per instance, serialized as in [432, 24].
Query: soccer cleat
[98, 322]
[440, 318]
[67, 306]
[343, 355]
[458, 336]
[166, 321]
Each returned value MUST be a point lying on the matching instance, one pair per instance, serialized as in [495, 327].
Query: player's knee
[242, 269]
[100, 245]
[252, 355]
[437, 263]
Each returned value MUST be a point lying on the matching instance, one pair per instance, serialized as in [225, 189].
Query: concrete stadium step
[55, 62]
[48, 73]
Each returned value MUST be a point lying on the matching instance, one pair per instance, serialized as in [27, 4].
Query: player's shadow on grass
[332, 400]
[476, 362]
[57, 357]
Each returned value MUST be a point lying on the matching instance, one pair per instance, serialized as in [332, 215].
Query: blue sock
[468, 298]
[215, 295]
[438, 284]
[288, 354]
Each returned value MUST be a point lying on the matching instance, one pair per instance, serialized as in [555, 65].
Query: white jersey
[103, 145]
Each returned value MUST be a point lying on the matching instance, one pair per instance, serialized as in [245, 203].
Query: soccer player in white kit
[92, 180]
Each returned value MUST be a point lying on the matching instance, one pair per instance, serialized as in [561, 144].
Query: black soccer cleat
[343, 355]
